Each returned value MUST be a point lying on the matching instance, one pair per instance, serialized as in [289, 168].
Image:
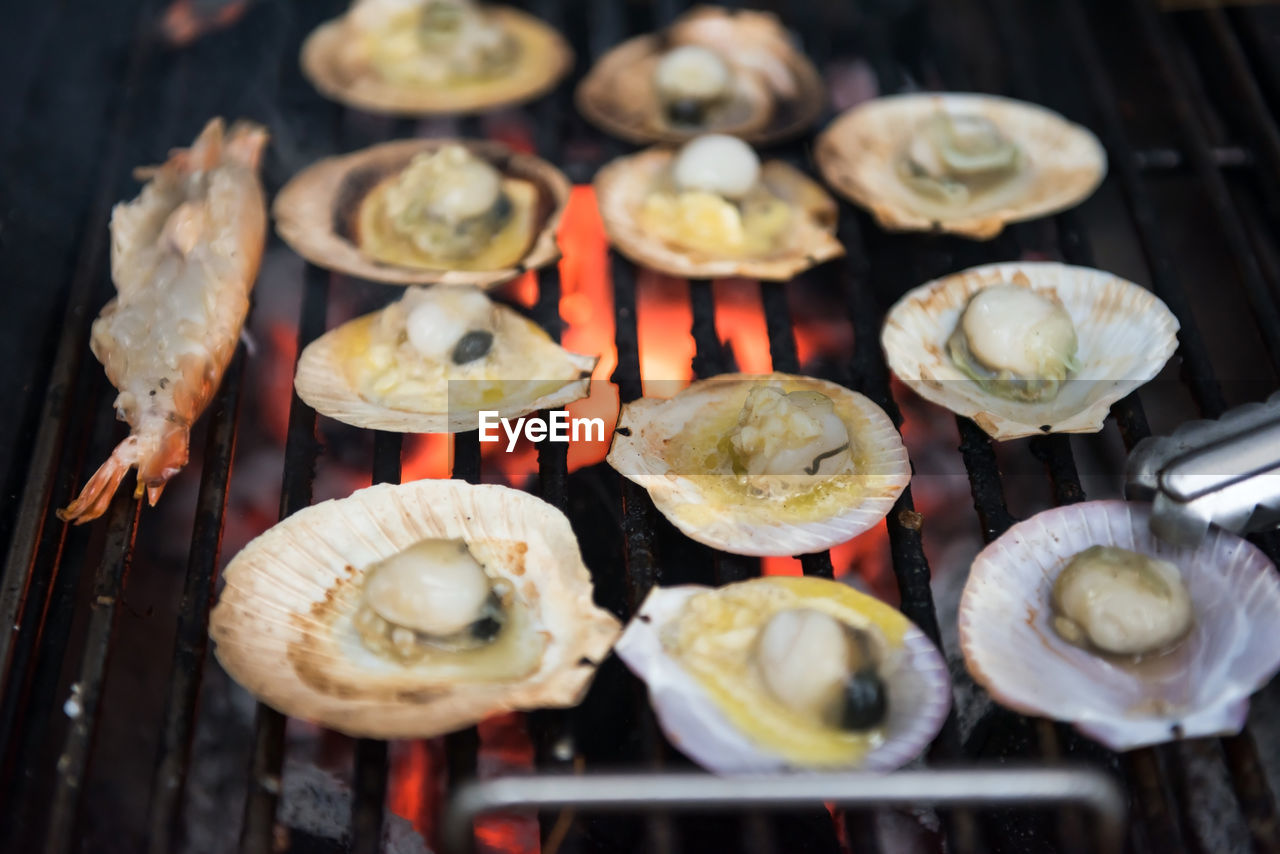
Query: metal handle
[950, 787]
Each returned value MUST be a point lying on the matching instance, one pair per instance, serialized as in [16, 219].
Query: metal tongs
[1224, 472]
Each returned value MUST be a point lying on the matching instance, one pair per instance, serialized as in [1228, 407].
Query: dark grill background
[1184, 103]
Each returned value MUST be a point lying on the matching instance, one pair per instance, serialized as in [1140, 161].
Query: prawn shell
[545, 59]
[646, 428]
[919, 698]
[778, 93]
[1011, 649]
[284, 589]
[313, 211]
[858, 156]
[323, 384]
[623, 185]
[1125, 336]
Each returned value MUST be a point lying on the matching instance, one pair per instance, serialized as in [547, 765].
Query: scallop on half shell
[325, 211]
[676, 449]
[1124, 336]
[1200, 687]
[624, 185]
[369, 372]
[285, 622]
[774, 92]
[860, 155]
[337, 59]
[715, 707]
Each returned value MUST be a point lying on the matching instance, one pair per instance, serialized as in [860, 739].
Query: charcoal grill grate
[45, 560]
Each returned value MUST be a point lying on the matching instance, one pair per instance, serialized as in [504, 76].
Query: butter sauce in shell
[623, 185]
[1125, 335]
[323, 383]
[648, 429]
[1200, 688]
[545, 58]
[858, 156]
[919, 692]
[316, 211]
[282, 625]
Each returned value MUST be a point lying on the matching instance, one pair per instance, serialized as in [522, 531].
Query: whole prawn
[184, 256]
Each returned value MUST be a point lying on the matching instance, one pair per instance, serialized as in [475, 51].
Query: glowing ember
[740, 323]
[664, 320]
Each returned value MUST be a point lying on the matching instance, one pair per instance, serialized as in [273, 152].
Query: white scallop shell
[1125, 335]
[1012, 650]
[919, 697]
[859, 151]
[750, 528]
[323, 383]
[624, 183]
[288, 586]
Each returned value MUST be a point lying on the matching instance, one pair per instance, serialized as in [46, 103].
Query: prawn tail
[96, 495]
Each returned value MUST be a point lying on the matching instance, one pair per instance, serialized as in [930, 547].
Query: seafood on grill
[1120, 601]
[779, 673]
[432, 360]
[423, 57]
[1025, 348]
[1082, 614]
[424, 211]
[764, 465]
[184, 256]
[712, 71]
[959, 163]
[413, 610]
[712, 209]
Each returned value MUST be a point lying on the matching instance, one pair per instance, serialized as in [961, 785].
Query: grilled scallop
[411, 611]
[712, 71]
[963, 164]
[426, 211]
[787, 673]
[1028, 348]
[712, 209]
[430, 362]
[764, 465]
[420, 57]
[1082, 615]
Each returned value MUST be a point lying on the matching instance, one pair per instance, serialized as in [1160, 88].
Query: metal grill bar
[301, 451]
[187, 669]
[959, 787]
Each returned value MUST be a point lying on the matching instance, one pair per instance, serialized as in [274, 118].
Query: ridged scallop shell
[312, 210]
[780, 91]
[326, 61]
[284, 591]
[919, 697]
[323, 383]
[623, 184]
[1011, 649]
[647, 427]
[858, 155]
[1125, 334]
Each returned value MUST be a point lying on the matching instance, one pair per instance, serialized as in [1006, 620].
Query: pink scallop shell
[919, 698]
[1201, 688]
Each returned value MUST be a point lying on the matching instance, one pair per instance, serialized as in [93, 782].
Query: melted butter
[709, 223]
[713, 638]
[380, 240]
[701, 452]
[524, 365]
